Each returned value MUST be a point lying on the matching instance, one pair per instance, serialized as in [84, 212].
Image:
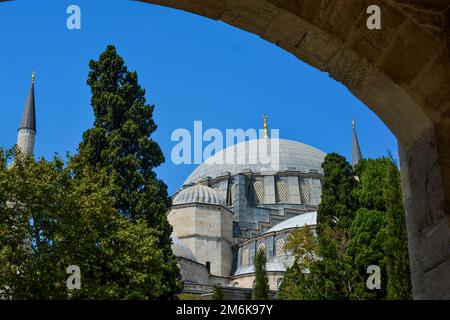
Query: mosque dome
[199, 194]
[302, 220]
[180, 250]
[290, 156]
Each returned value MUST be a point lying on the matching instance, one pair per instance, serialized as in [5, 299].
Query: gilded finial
[33, 77]
[266, 128]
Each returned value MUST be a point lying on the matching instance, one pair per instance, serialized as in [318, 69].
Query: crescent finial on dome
[266, 127]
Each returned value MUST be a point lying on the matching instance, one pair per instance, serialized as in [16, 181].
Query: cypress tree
[396, 244]
[365, 248]
[359, 224]
[261, 285]
[338, 205]
[120, 144]
[372, 175]
[378, 234]
[334, 217]
[327, 277]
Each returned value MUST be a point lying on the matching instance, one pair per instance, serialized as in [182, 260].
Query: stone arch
[332, 36]
[401, 72]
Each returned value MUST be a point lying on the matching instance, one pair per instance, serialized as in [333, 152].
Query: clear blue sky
[192, 68]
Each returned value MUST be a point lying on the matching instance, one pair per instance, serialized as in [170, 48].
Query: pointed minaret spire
[356, 152]
[27, 129]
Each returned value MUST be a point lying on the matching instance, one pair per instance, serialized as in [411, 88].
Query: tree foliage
[105, 211]
[361, 222]
[334, 218]
[51, 219]
[396, 245]
[217, 293]
[120, 144]
[366, 248]
[261, 284]
[337, 207]
[297, 283]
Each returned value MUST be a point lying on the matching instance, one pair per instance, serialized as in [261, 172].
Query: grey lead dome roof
[199, 194]
[302, 220]
[289, 156]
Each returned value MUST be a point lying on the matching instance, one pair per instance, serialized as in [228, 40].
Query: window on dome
[232, 194]
[304, 190]
[281, 191]
[258, 189]
[245, 257]
[262, 247]
[280, 244]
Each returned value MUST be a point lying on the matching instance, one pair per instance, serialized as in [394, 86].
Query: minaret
[356, 151]
[27, 130]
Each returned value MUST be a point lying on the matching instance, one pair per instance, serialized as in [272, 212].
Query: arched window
[262, 247]
[258, 189]
[280, 244]
[281, 191]
[245, 257]
[304, 190]
[236, 284]
[232, 194]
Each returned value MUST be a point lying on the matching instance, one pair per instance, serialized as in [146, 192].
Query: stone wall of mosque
[207, 230]
[195, 273]
[247, 280]
[253, 189]
[273, 245]
[259, 201]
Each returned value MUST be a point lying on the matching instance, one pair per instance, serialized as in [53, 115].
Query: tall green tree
[51, 219]
[372, 174]
[120, 144]
[361, 222]
[329, 275]
[334, 217]
[368, 230]
[338, 205]
[366, 248]
[261, 284]
[378, 234]
[396, 244]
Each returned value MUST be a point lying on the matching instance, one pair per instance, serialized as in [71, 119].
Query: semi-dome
[302, 220]
[288, 155]
[199, 194]
[180, 250]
